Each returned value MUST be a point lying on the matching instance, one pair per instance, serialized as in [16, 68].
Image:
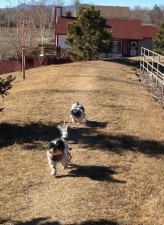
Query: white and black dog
[77, 113]
[58, 150]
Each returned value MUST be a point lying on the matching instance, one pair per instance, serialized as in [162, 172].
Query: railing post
[151, 63]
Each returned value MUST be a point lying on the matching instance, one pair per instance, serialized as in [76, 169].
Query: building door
[133, 48]
[125, 48]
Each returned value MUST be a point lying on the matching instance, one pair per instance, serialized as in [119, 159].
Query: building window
[117, 47]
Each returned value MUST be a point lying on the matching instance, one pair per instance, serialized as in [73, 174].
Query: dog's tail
[63, 129]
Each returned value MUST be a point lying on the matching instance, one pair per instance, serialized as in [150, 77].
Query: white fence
[153, 64]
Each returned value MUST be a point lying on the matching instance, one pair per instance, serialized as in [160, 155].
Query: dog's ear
[51, 145]
[82, 108]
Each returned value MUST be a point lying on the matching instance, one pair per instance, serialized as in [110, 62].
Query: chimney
[68, 13]
[76, 8]
[58, 12]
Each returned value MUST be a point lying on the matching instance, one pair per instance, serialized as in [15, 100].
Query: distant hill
[28, 6]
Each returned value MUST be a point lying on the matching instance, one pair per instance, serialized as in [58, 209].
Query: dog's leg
[52, 165]
[65, 161]
[70, 156]
[53, 170]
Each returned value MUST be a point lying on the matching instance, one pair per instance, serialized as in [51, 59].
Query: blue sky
[130, 3]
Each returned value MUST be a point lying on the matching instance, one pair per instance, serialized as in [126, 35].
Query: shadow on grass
[96, 124]
[99, 222]
[35, 221]
[98, 173]
[126, 61]
[27, 134]
[135, 64]
[89, 136]
[41, 220]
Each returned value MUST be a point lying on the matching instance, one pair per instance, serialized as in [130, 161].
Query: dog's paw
[53, 173]
[65, 167]
[68, 166]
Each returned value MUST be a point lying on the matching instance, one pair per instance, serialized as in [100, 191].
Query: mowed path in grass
[116, 173]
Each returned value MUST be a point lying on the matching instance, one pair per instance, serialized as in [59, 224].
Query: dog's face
[76, 112]
[56, 147]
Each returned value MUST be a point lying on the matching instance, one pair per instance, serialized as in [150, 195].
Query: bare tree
[147, 15]
[43, 15]
[30, 26]
[13, 22]
[24, 33]
[142, 14]
[7, 31]
[156, 15]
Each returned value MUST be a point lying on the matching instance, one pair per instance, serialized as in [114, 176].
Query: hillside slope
[116, 173]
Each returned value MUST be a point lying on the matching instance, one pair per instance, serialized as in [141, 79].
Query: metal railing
[153, 64]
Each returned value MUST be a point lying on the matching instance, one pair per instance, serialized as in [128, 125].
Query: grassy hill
[116, 173]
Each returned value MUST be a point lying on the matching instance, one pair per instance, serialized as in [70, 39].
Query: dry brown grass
[116, 176]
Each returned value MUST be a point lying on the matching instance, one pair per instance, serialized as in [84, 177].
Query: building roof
[121, 28]
[149, 31]
[131, 29]
[125, 29]
[110, 11]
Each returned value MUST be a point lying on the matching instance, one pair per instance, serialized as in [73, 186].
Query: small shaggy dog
[58, 150]
[77, 113]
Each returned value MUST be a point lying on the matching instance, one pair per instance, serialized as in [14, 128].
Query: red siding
[61, 26]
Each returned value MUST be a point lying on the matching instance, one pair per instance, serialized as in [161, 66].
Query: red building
[128, 35]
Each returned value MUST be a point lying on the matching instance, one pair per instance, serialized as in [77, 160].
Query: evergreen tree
[88, 36]
[5, 85]
[158, 43]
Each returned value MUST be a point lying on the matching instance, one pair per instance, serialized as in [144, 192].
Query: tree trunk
[23, 63]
